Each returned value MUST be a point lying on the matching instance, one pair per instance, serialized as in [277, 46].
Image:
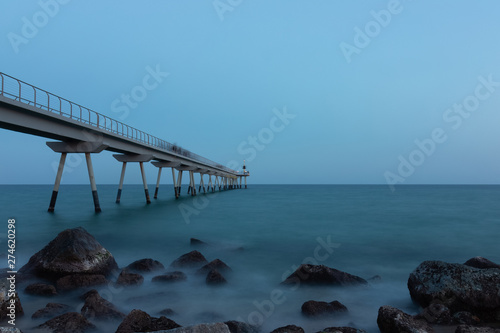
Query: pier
[77, 129]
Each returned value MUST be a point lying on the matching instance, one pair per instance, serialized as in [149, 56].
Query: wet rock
[458, 287]
[341, 330]
[51, 310]
[436, 314]
[140, 321]
[472, 329]
[175, 276]
[96, 307]
[126, 278]
[375, 279]
[217, 264]
[392, 320]
[201, 328]
[239, 327]
[71, 322]
[191, 259]
[41, 289]
[215, 278]
[289, 329]
[480, 262]
[197, 242]
[73, 282]
[145, 265]
[466, 318]
[6, 303]
[73, 251]
[314, 308]
[322, 275]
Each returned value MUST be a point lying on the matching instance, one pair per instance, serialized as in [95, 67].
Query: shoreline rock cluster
[465, 296]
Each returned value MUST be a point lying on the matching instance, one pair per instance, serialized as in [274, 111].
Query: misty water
[263, 233]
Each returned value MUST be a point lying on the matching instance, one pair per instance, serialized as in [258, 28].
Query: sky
[324, 92]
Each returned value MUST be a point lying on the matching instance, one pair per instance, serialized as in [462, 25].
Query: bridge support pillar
[146, 191]
[120, 186]
[245, 182]
[158, 183]
[93, 186]
[57, 182]
[175, 183]
[202, 184]
[179, 182]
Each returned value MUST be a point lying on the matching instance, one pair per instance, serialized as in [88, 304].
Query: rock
[313, 308]
[10, 330]
[480, 262]
[217, 264]
[71, 322]
[6, 302]
[96, 307]
[375, 279]
[167, 312]
[145, 265]
[201, 328]
[197, 242]
[466, 318]
[191, 259]
[458, 287]
[73, 251]
[472, 329]
[176, 276]
[239, 327]
[392, 320]
[341, 330]
[215, 278]
[289, 329]
[126, 278]
[72, 282]
[140, 321]
[436, 314]
[322, 275]
[51, 310]
[41, 289]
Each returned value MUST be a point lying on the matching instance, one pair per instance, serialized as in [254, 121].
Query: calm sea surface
[264, 233]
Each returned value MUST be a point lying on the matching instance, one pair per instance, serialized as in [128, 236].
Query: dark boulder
[392, 320]
[175, 276]
[73, 251]
[480, 262]
[240, 327]
[215, 278]
[41, 289]
[77, 281]
[189, 260]
[145, 265]
[289, 329]
[375, 279]
[458, 287]
[436, 314]
[322, 275]
[51, 310]
[341, 330]
[217, 264]
[314, 308]
[465, 318]
[201, 328]
[472, 329]
[140, 321]
[197, 242]
[71, 322]
[96, 307]
[126, 278]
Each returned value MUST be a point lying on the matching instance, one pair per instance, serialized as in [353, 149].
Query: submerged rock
[51, 310]
[41, 289]
[73, 251]
[73, 282]
[392, 320]
[201, 328]
[240, 327]
[71, 322]
[217, 264]
[215, 278]
[140, 321]
[289, 329]
[341, 330]
[127, 278]
[322, 275]
[96, 307]
[175, 276]
[145, 265]
[191, 259]
[458, 287]
[314, 308]
[197, 242]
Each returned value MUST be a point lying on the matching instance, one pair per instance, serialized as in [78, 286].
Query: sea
[263, 233]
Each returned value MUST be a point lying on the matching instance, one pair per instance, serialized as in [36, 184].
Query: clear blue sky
[359, 101]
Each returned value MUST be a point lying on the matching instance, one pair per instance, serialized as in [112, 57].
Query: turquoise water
[264, 233]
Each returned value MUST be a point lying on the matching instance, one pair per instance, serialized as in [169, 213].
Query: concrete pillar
[57, 182]
[179, 182]
[146, 191]
[245, 182]
[93, 186]
[158, 183]
[175, 183]
[120, 186]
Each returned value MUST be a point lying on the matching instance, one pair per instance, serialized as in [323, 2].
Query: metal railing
[26, 93]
